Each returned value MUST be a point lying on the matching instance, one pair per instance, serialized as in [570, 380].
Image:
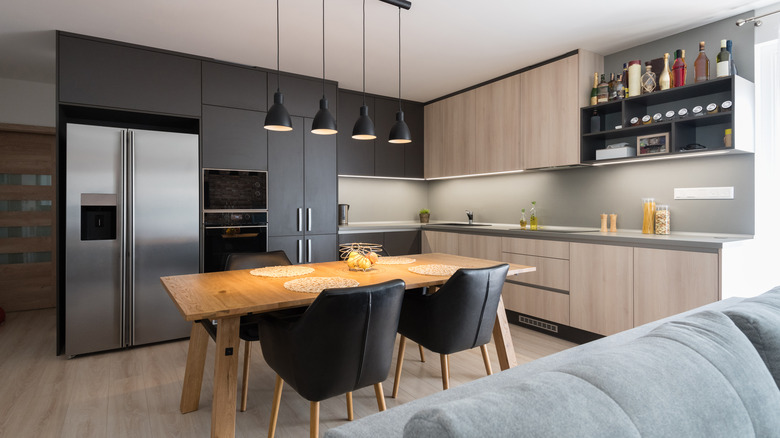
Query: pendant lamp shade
[364, 127]
[324, 123]
[278, 119]
[400, 133]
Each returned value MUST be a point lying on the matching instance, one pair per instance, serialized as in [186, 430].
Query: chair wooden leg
[275, 406]
[380, 396]
[350, 417]
[445, 371]
[422, 355]
[245, 381]
[399, 365]
[314, 420]
[486, 359]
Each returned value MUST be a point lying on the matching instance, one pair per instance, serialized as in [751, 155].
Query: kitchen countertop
[676, 240]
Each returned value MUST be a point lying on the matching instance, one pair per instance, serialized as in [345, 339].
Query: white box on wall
[605, 154]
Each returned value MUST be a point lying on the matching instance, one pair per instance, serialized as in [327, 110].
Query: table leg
[503, 339]
[193, 373]
[223, 406]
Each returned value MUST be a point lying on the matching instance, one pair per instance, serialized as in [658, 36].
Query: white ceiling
[448, 45]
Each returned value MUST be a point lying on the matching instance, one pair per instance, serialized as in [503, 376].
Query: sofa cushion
[759, 320]
[699, 376]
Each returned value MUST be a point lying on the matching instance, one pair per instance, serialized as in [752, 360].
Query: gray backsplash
[383, 200]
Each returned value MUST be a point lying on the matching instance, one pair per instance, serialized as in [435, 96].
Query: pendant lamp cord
[277, 45]
[364, 52]
[399, 59]
[323, 48]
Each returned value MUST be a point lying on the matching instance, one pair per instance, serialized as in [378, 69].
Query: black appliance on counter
[235, 214]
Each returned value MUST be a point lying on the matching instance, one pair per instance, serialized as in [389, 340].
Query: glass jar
[648, 215]
[662, 219]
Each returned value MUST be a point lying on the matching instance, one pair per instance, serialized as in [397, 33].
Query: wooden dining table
[226, 296]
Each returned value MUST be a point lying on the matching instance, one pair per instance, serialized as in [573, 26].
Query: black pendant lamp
[399, 133]
[324, 123]
[364, 127]
[278, 119]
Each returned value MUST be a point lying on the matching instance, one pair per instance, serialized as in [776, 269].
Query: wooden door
[434, 142]
[27, 217]
[498, 126]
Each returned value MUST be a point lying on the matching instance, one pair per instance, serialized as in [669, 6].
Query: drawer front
[552, 306]
[553, 273]
[535, 247]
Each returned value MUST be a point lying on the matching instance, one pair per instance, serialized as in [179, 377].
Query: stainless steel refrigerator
[131, 217]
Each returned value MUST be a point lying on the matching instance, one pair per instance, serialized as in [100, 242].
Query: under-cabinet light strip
[666, 157]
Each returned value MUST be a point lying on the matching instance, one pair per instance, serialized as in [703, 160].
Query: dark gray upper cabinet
[414, 152]
[233, 139]
[355, 157]
[320, 182]
[388, 157]
[285, 181]
[302, 95]
[234, 86]
[118, 76]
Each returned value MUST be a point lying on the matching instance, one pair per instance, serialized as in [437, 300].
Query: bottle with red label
[678, 69]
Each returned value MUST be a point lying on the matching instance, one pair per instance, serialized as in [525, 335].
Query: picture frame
[652, 144]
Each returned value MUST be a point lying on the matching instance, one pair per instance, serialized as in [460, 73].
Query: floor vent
[536, 323]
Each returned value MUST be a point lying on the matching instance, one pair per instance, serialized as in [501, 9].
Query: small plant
[425, 211]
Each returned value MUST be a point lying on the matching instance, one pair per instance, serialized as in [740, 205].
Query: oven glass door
[221, 241]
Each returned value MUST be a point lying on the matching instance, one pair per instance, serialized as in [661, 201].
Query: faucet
[470, 214]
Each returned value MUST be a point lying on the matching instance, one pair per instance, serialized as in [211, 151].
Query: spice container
[727, 138]
[648, 215]
[662, 219]
[669, 115]
[613, 222]
[603, 223]
[698, 111]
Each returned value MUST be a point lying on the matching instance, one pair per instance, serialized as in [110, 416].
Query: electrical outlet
[704, 193]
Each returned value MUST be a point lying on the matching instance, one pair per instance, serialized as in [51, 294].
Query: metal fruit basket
[361, 248]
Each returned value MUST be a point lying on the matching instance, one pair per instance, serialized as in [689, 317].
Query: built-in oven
[235, 214]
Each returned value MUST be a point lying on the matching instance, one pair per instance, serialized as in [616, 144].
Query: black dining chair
[247, 331]
[458, 317]
[342, 342]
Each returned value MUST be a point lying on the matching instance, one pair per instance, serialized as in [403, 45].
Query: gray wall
[711, 34]
[383, 200]
[577, 197]
[27, 103]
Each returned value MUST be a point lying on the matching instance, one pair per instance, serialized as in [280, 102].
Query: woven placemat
[281, 271]
[395, 261]
[318, 284]
[434, 269]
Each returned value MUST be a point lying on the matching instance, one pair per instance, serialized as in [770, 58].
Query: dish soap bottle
[522, 219]
[534, 220]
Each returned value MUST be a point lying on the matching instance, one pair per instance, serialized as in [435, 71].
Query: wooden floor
[135, 392]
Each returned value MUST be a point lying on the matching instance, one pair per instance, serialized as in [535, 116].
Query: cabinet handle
[300, 251]
[308, 219]
[308, 250]
[300, 219]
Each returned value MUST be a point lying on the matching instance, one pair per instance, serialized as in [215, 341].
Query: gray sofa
[710, 372]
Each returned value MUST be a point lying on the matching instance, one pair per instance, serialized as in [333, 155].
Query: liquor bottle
[595, 121]
[619, 90]
[534, 221]
[594, 92]
[678, 69]
[701, 67]
[625, 80]
[723, 61]
[522, 219]
[733, 64]
[665, 80]
[603, 90]
[685, 67]
[648, 79]
[611, 86]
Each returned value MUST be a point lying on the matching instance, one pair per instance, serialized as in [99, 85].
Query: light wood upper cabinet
[550, 119]
[601, 296]
[450, 137]
[498, 126]
[669, 282]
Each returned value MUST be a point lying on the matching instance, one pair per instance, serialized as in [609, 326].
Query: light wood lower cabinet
[439, 241]
[601, 296]
[482, 247]
[552, 306]
[552, 273]
[669, 282]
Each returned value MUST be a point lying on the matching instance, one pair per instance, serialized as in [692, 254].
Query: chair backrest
[461, 314]
[344, 341]
[251, 260]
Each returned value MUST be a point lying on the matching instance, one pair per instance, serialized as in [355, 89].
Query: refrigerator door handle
[122, 239]
[308, 219]
[131, 237]
[300, 219]
[300, 251]
[308, 250]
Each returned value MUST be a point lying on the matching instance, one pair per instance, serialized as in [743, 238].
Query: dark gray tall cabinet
[302, 192]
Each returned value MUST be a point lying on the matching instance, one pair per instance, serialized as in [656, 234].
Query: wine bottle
[733, 63]
[678, 69]
[594, 92]
[685, 67]
[701, 67]
[625, 80]
[723, 61]
[603, 90]
[619, 90]
[612, 87]
[665, 80]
